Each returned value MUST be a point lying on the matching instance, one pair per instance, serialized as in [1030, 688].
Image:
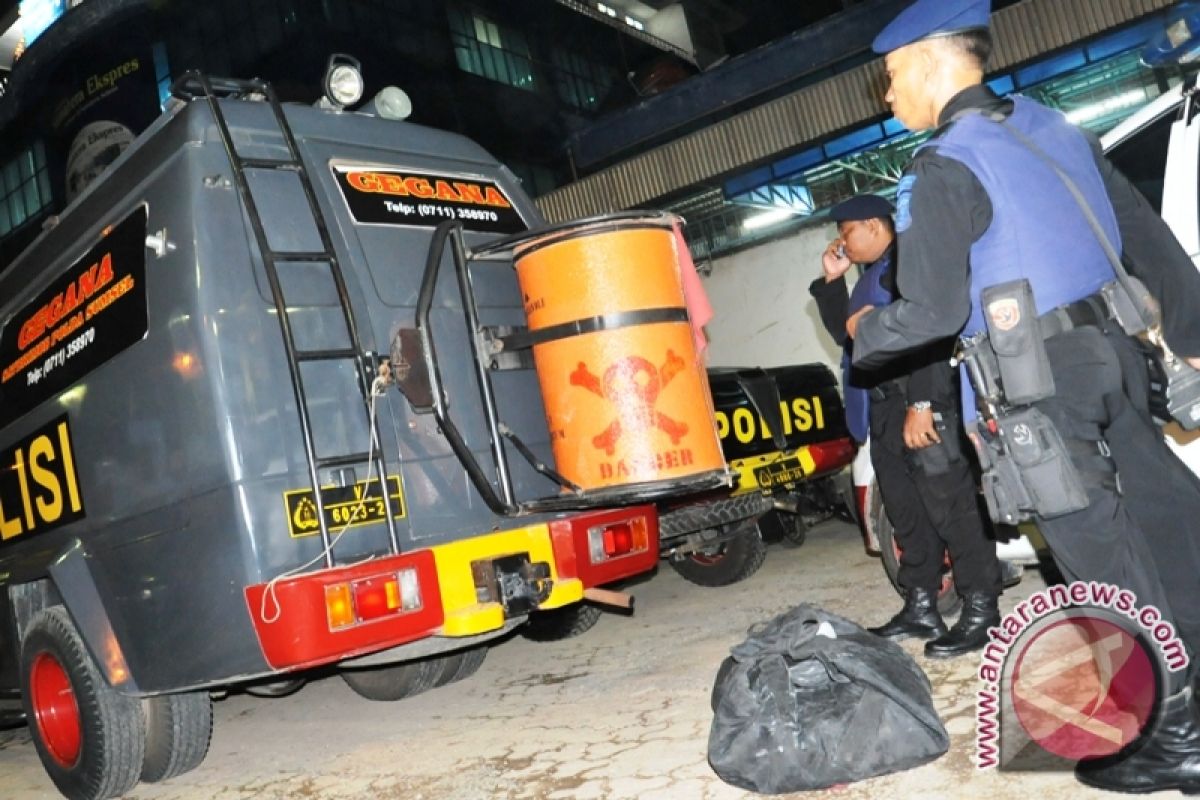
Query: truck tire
[461, 665]
[889, 551]
[178, 730]
[561, 623]
[90, 738]
[713, 514]
[729, 562]
[395, 681]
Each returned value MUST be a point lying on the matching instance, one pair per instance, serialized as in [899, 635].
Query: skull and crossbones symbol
[633, 385]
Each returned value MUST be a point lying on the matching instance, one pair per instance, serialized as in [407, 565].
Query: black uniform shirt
[928, 372]
[951, 211]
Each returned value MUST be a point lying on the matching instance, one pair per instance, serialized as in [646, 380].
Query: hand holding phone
[834, 261]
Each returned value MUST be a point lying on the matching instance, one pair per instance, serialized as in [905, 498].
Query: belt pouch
[1047, 472]
[1016, 338]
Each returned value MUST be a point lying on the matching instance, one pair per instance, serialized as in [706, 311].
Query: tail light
[332, 614]
[371, 598]
[617, 539]
[601, 547]
[339, 606]
[830, 456]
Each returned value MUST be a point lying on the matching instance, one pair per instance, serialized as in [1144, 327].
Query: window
[1142, 157]
[491, 51]
[535, 179]
[24, 188]
[580, 82]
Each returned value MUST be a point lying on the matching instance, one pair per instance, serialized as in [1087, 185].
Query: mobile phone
[841, 251]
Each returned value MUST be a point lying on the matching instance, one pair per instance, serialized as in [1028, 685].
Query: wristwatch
[921, 405]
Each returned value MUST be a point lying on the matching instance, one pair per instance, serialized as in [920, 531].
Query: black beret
[860, 207]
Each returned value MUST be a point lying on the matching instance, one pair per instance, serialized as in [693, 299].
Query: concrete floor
[621, 712]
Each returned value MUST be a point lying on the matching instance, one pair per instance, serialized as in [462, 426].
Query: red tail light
[601, 547]
[376, 597]
[331, 614]
[831, 456]
[617, 539]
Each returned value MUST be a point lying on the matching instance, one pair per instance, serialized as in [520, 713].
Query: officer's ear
[927, 56]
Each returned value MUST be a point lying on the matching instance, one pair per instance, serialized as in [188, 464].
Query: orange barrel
[626, 394]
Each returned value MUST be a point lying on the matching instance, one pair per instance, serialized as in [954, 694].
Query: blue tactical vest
[869, 291]
[1038, 231]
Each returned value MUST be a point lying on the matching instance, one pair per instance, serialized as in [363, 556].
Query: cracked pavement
[620, 712]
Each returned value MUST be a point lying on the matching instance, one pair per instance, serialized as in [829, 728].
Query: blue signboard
[1180, 42]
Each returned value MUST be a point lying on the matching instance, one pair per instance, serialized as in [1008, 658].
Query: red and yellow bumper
[447, 590]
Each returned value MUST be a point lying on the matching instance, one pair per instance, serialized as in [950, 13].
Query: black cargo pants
[1140, 534]
[931, 513]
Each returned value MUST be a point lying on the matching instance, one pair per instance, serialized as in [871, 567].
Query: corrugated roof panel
[1021, 33]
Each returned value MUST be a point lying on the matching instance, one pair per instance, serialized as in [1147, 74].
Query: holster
[938, 459]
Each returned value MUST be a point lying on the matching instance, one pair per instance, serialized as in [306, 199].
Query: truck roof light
[392, 102]
[343, 81]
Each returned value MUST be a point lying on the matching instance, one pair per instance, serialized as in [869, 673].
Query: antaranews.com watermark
[1077, 670]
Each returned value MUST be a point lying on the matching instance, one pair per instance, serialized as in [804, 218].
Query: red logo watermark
[1083, 687]
[1073, 673]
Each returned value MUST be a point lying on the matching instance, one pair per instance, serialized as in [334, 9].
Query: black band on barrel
[607, 322]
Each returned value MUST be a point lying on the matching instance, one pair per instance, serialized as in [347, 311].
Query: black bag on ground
[795, 709]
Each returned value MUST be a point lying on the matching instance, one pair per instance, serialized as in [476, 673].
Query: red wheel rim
[707, 561]
[55, 709]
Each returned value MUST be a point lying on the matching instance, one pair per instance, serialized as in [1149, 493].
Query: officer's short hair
[974, 44]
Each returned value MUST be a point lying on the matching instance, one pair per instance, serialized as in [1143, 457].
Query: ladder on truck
[195, 85]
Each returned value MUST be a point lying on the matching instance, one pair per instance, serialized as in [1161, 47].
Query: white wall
[765, 316]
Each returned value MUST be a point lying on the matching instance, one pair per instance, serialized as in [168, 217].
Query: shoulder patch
[904, 203]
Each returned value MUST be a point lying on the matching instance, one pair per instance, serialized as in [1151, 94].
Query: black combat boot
[919, 617]
[980, 612]
[1168, 759]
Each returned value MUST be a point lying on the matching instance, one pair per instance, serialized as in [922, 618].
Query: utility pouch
[1133, 312]
[1016, 338]
[1051, 481]
[1003, 490]
[938, 459]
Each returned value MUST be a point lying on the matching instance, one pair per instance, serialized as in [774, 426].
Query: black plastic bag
[797, 709]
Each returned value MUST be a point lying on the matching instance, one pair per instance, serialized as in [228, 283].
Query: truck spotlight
[343, 81]
[392, 102]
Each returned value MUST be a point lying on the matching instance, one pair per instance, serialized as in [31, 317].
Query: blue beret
[926, 18]
[860, 207]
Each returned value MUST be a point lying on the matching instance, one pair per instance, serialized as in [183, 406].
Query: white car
[1158, 149]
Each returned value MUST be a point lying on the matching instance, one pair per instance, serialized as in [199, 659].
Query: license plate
[789, 470]
[345, 506]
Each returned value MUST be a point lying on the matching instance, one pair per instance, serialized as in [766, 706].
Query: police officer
[926, 481]
[978, 207]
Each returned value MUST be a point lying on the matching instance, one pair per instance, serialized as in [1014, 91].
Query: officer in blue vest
[927, 484]
[979, 207]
